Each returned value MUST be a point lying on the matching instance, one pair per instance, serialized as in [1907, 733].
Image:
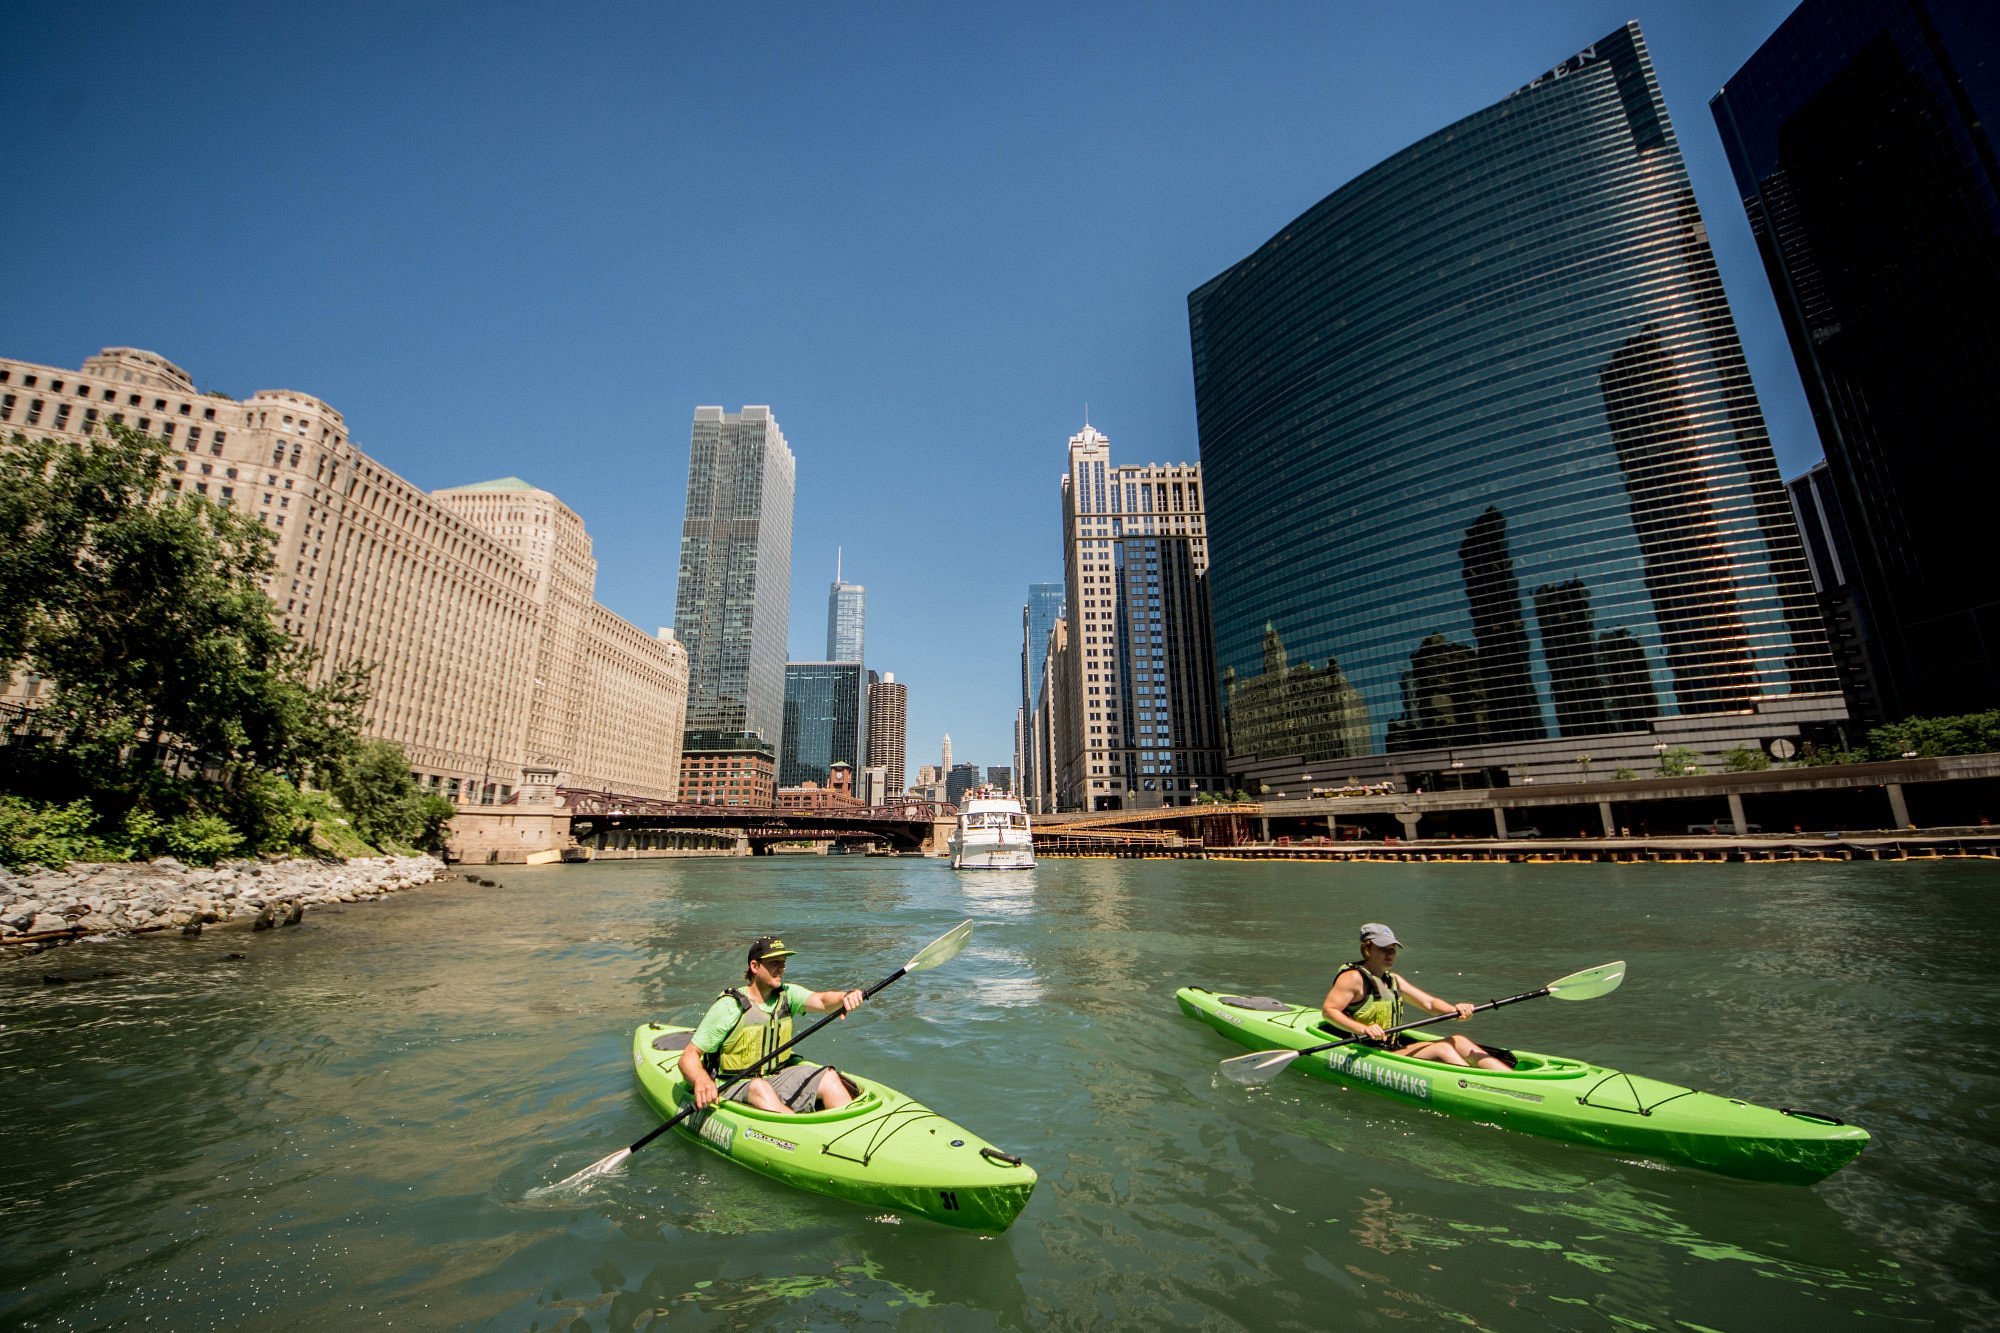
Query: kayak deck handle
[1811, 1115]
[995, 1155]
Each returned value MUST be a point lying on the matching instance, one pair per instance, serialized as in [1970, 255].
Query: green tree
[384, 804]
[172, 686]
[1680, 762]
[1745, 759]
[1928, 737]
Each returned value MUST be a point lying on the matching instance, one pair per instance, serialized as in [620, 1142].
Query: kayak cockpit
[1527, 1064]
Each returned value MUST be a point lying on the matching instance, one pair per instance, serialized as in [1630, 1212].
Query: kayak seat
[1263, 1003]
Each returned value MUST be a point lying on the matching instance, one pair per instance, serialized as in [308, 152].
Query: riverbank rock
[120, 899]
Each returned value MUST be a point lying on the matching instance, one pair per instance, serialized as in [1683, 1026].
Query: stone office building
[474, 605]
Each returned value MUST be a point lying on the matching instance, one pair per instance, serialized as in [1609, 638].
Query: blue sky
[529, 240]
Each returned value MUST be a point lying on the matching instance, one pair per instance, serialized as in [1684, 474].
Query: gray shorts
[797, 1086]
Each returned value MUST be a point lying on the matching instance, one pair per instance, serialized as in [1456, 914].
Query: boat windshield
[995, 819]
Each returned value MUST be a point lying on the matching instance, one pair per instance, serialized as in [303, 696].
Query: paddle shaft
[758, 1068]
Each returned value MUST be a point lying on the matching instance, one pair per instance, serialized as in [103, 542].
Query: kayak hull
[1555, 1097]
[883, 1149]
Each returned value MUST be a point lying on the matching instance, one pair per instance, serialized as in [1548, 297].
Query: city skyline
[480, 232]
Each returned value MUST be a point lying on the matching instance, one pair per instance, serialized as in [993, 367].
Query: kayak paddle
[1263, 1066]
[940, 950]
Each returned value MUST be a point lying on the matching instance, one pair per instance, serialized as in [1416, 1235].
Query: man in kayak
[749, 1022]
[1367, 998]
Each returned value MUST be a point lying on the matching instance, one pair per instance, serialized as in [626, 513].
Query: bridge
[602, 820]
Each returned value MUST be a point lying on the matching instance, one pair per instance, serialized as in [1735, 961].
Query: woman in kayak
[1367, 998]
[750, 1022]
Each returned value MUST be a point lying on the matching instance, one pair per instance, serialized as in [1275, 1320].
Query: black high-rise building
[1860, 139]
[1499, 361]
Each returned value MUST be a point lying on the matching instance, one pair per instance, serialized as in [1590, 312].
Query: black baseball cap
[768, 947]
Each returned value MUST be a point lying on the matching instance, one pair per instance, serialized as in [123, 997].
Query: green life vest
[1381, 998]
[757, 1035]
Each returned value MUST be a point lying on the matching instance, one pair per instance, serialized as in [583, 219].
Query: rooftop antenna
[836, 564]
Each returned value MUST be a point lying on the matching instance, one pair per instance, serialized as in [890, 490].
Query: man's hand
[704, 1091]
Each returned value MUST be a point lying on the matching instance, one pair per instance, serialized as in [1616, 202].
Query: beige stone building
[474, 604]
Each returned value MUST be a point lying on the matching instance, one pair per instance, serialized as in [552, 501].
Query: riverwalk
[1917, 845]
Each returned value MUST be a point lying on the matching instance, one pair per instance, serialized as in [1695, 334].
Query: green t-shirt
[715, 1025]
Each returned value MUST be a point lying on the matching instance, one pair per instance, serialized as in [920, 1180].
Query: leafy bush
[1929, 737]
[50, 835]
[202, 840]
[382, 800]
[1680, 762]
[435, 812]
[1745, 759]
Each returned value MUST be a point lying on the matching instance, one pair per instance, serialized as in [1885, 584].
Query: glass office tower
[1039, 615]
[826, 713]
[1861, 139]
[846, 619]
[1489, 493]
[733, 599]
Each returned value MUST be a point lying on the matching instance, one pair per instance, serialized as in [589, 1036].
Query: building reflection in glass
[1499, 361]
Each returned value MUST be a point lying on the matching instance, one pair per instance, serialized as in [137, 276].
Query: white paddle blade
[1590, 983]
[942, 949]
[603, 1167]
[1257, 1067]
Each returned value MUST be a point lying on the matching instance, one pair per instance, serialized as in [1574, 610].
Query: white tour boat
[992, 833]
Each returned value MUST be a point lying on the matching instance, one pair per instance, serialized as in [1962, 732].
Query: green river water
[340, 1125]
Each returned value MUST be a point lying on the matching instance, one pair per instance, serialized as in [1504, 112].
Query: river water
[340, 1125]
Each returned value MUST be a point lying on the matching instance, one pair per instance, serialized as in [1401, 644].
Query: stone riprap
[155, 895]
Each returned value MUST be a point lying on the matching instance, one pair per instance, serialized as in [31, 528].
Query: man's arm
[697, 1077]
[826, 1001]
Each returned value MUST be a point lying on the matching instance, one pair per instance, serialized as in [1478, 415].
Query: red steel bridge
[907, 825]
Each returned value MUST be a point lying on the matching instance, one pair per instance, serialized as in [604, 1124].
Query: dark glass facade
[1860, 136]
[826, 710]
[1485, 470]
[733, 598]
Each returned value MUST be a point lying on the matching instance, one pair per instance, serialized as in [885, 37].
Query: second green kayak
[881, 1149]
[1555, 1097]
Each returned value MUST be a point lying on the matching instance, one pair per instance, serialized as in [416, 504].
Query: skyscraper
[1483, 459]
[734, 594]
[888, 727]
[1860, 135]
[1142, 692]
[1038, 616]
[825, 721]
[846, 617]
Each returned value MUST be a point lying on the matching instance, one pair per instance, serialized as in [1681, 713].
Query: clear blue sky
[530, 239]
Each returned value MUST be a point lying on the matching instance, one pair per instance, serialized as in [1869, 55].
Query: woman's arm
[1430, 1003]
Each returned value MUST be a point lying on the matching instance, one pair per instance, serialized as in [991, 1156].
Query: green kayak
[1555, 1097]
[881, 1149]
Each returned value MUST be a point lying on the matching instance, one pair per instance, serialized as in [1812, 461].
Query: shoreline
[1938, 846]
[44, 908]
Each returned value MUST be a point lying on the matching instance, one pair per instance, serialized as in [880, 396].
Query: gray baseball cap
[1379, 935]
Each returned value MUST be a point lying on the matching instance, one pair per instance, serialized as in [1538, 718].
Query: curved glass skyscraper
[1486, 475]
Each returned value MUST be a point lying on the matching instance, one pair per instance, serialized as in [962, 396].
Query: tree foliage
[172, 689]
[383, 802]
[1745, 759]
